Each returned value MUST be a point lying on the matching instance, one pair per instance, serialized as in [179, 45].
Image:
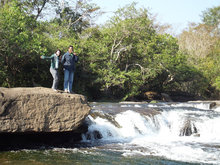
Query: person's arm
[63, 59]
[76, 57]
[45, 57]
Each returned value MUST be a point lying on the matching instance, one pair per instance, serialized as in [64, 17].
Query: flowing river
[137, 133]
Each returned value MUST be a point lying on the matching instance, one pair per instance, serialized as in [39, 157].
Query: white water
[160, 135]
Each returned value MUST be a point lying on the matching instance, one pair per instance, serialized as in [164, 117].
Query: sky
[178, 13]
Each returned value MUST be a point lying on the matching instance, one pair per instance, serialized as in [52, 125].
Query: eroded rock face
[40, 110]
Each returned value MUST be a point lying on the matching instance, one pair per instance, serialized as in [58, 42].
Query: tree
[211, 17]
[77, 16]
[20, 45]
[35, 8]
[201, 43]
[197, 41]
[123, 59]
[128, 57]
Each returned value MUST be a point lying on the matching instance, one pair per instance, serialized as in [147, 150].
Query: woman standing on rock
[54, 68]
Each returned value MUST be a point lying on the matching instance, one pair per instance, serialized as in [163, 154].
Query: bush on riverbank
[122, 60]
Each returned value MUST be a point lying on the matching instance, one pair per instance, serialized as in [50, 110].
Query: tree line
[124, 58]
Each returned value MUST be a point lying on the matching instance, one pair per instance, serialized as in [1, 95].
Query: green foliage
[121, 60]
[217, 83]
[212, 16]
[19, 46]
[201, 43]
[128, 57]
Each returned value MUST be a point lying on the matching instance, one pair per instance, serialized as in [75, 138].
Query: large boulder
[40, 110]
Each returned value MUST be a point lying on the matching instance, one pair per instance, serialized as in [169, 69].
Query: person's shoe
[66, 91]
[54, 89]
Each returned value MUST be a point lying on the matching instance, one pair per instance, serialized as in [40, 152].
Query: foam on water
[217, 109]
[160, 135]
[199, 105]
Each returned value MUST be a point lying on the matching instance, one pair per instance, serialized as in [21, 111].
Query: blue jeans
[68, 80]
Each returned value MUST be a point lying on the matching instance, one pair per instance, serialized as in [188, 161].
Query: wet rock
[188, 129]
[110, 118]
[154, 102]
[150, 112]
[213, 105]
[150, 95]
[97, 135]
[40, 110]
[94, 135]
[166, 97]
[196, 135]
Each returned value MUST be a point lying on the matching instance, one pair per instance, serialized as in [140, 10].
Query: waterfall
[176, 130]
[131, 124]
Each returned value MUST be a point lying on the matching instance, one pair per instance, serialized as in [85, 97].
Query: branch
[112, 49]
[143, 70]
[114, 46]
[141, 67]
[170, 76]
[70, 24]
[81, 17]
[118, 53]
[39, 10]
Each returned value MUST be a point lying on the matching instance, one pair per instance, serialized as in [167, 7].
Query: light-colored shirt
[54, 61]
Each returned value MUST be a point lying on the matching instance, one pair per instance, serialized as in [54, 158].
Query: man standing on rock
[68, 60]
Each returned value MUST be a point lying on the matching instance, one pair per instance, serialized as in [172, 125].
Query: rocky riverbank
[40, 113]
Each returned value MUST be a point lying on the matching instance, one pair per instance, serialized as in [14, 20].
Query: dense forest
[124, 58]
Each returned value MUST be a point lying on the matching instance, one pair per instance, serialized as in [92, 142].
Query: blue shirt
[69, 60]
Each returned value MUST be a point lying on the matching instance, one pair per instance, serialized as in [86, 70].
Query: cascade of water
[178, 131]
[199, 105]
[131, 124]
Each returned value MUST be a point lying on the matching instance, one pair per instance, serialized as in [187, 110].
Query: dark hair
[58, 50]
[71, 46]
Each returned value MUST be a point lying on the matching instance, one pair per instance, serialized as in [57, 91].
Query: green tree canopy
[124, 58]
[212, 16]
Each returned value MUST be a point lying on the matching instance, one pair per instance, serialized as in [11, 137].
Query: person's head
[58, 52]
[70, 49]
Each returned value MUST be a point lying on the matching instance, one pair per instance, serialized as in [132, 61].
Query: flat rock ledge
[40, 110]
